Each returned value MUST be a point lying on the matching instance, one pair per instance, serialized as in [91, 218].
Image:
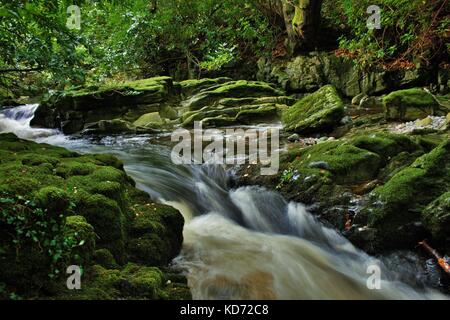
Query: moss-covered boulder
[83, 239]
[154, 121]
[223, 115]
[232, 89]
[193, 86]
[74, 209]
[71, 110]
[396, 207]
[318, 112]
[150, 241]
[436, 218]
[410, 104]
[104, 258]
[236, 102]
[116, 126]
[132, 282]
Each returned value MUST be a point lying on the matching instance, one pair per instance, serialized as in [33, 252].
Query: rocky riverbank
[383, 188]
[60, 208]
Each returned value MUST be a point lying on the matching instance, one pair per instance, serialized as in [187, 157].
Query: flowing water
[245, 243]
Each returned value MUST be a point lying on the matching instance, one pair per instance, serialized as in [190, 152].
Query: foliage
[28, 224]
[119, 40]
[412, 31]
[34, 38]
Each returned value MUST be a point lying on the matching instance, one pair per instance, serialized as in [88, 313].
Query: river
[249, 242]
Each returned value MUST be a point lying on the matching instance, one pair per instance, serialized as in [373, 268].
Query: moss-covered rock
[223, 116]
[71, 110]
[410, 104]
[236, 102]
[193, 86]
[93, 212]
[152, 121]
[151, 242]
[83, 237]
[132, 282]
[398, 204]
[318, 112]
[232, 89]
[436, 218]
[116, 126]
[104, 258]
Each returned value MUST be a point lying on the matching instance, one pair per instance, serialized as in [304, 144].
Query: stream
[244, 243]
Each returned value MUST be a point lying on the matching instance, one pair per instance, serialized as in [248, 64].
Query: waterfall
[17, 120]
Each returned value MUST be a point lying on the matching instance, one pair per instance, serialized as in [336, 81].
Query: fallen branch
[441, 260]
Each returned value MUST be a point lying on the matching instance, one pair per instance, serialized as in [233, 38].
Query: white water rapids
[245, 243]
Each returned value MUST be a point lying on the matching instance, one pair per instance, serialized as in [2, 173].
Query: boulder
[245, 114]
[436, 218]
[396, 207]
[357, 99]
[151, 120]
[321, 111]
[410, 104]
[71, 110]
[370, 103]
[193, 86]
[309, 72]
[71, 206]
[232, 89]
[118, 126]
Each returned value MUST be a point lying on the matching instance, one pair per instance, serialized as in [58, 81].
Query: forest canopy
[194, 38]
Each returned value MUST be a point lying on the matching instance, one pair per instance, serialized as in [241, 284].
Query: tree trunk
[302, 19]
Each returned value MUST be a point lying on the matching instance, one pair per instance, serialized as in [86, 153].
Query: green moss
[125, 88]
[317, 112]
[246, 114]
[54, 199]
[386, 145]
[410, 97]
[436, 218]
[168, 112]
[109, 160]
[401, 200]
[36, 160]
[347, 163]
[107, 218]
[110, 174]
[105, 280]
[235, 89]
[133, 282]
[193, 85]
[398, 163]
[262, 113]
[145, 282]
[151, 241]
[236, 102]
[103, 206]
[82, 235]
[104, 258]
[150, 119]
[410, 104]
[74, 168]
